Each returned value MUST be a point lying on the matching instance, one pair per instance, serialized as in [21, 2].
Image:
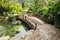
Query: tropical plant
[10, 8]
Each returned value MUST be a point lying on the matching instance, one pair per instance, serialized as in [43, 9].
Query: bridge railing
[28, 20]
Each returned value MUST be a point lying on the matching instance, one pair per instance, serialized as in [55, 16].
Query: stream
[22, 32]
[12, 30]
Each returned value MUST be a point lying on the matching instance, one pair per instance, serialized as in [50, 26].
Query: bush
[34, 8]
[56, 11]
[48, 10]
[52, 14]
[57, 21]
[10, 8]
[11, 25]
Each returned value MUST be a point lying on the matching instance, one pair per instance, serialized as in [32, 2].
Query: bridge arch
[28, 21]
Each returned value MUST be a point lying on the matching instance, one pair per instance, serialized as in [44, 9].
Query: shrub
[11, 25]
[56, 11]
[10, 8]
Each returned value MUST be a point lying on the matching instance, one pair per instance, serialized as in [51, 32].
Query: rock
[18, 37]
[43, 32]
[5, 38]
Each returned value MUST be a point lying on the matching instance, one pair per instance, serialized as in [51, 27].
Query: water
[22, 32]
[11, 29]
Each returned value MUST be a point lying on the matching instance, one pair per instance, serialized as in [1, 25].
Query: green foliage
[47, 9]
[41, 5]
[50, 14]
[8, 29]
[35, 6]
[56, 11]
[57, 20]
[10, 25]
[56, 8]
[10, 8]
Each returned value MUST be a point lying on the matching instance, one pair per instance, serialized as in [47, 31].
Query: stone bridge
[28, 21]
